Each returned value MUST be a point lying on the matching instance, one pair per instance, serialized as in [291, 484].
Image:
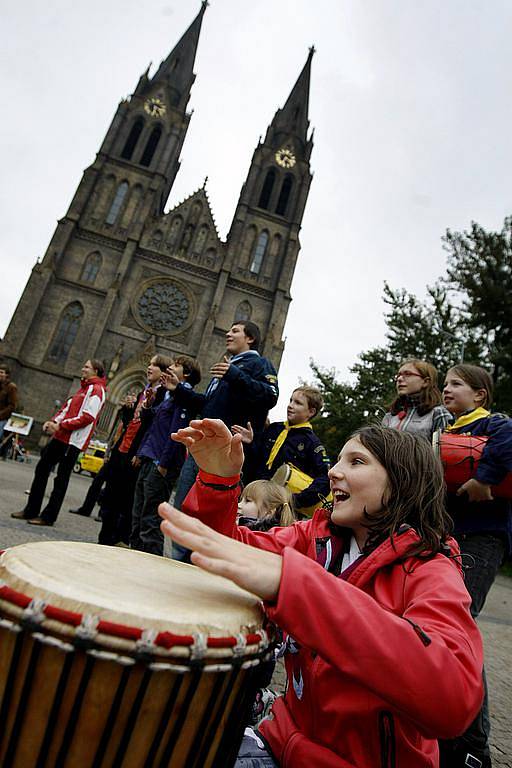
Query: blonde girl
[265, 504]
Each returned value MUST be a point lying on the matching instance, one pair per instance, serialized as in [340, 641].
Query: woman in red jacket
[383, 657]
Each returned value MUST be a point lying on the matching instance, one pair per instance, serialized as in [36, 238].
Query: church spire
[177, 70]
[293, 117]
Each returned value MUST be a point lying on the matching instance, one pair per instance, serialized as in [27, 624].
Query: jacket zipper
[387, 740]
[425, 639]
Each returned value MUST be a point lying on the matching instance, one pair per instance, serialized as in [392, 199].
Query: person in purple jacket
[160, 459]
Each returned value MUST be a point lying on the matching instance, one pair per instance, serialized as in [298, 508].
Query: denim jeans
[186, 480]
[482, 555]
[152, 489]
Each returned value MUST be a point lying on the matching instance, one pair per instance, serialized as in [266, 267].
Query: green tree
[465, 315]
[479, 274]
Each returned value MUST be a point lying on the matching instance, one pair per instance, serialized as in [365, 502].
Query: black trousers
[117, 500]
[482, 555]
[94, 491]
[55, 453]
[152, 489]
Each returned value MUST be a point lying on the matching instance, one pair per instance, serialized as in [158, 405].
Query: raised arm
[249, 558]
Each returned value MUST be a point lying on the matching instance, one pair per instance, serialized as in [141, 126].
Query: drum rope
[87, 626]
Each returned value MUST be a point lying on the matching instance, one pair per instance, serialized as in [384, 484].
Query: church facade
[122, 280]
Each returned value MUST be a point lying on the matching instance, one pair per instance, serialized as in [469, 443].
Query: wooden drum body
[110, 657]
[459, 456]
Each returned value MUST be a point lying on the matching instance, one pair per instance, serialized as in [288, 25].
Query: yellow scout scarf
[281, 438]
[468, 418]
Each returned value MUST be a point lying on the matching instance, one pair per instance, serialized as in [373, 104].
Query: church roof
[200, 195]
[178, 67]
[293, 117]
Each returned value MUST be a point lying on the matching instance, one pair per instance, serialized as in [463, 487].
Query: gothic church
[122, 280]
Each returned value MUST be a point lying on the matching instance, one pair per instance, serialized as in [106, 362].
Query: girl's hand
[252, 569]
[247, 433]
[213, 446]
[476, 490]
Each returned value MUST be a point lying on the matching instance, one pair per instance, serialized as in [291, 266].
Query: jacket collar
[389, 552]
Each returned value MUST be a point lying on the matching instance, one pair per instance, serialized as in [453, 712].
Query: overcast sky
[411, 104]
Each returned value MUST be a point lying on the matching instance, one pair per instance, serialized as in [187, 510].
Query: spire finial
[206, 177]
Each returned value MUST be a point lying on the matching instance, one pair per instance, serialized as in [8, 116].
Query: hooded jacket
[79, 414]
[381, 661]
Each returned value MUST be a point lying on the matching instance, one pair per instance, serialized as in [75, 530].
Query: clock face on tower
[285, 158]
[154, 107]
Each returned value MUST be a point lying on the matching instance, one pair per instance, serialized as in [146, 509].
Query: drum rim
[36, 612]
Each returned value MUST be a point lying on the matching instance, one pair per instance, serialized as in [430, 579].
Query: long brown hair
[429, 396]
[415, 492]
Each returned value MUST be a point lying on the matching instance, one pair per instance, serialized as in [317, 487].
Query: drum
[111, 657]
[289, 476]
[460, 455]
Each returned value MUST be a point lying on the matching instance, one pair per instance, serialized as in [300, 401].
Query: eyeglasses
[406, 375]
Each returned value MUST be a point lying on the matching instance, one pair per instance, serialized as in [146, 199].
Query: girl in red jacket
[383, 657]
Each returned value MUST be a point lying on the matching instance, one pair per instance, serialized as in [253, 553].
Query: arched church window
[284, 196]
[151, 146]
[91, 268]
[266, 190]
[66, 332]
[133, 137]
[243, 312]
[259, 253]
[117, 203]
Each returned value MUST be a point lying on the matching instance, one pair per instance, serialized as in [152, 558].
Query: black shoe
[79, 512]
[39, 521]
[21, 515]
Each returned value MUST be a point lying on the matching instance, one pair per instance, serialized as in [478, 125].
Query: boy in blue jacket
[161, 458]
[292, 442]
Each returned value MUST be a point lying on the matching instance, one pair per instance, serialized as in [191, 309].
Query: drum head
[129, 587]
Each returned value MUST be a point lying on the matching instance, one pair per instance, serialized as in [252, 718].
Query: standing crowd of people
[373, 572]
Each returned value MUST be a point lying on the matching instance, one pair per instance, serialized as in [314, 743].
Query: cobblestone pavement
[495, 621]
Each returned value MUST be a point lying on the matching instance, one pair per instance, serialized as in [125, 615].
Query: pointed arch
[266, 190]
[243, 312]
[201, 238]
[259, 253]
[117, 202]
[133, 138]
[66, 332]
[195, 212]
[174, 230]
[284, 195]
[151, 145]
[91, 267]
[132, 206]
[248, 245]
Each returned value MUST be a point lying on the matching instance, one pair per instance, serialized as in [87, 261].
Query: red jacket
[381, 661]
[79, 414]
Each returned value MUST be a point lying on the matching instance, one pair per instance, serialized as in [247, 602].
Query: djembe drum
[110, 657]
[460, 455]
